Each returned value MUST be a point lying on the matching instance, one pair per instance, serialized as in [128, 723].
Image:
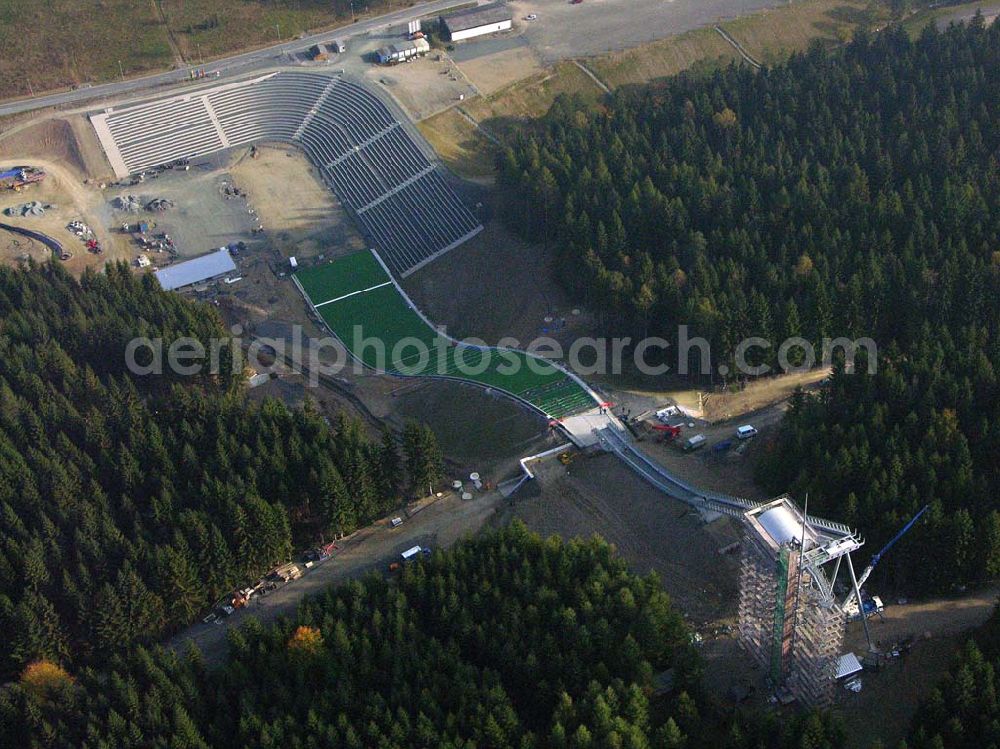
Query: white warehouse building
[485, 19]
[402, 51]
[198, 270]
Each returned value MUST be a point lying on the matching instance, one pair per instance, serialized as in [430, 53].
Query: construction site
[327, 208]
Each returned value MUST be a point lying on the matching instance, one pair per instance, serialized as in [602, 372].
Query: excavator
[666, 432]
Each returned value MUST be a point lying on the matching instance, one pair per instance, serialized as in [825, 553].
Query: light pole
[121, 69]
[277, 30]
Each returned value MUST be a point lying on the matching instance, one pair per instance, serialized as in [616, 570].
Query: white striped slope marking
[359, 291]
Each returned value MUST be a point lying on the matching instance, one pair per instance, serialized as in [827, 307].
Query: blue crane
[878, 557]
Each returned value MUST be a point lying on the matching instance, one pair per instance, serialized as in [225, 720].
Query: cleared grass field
[459, 144]
[663, 58]
[771, 36]
[360, 304]
[61, 42]
[533, 96]
[57, 43]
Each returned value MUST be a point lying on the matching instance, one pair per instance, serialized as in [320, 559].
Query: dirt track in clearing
[889, 698]
[433, 523]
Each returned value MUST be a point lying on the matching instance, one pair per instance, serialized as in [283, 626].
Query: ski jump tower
[789, 618]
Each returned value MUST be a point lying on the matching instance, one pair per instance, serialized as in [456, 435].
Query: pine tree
[424, 462]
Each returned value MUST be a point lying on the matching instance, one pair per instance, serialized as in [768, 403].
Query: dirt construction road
[940, 617]
[884, 707]
[433, 523]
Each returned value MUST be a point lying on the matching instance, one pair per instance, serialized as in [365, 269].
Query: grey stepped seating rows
[364, 154]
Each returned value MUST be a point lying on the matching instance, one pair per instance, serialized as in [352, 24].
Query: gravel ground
[593, 26]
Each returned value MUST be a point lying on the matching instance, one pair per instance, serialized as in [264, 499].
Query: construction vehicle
[321, 552]
[666, 432]
[241, 598]
[19, 176]
[873, 605]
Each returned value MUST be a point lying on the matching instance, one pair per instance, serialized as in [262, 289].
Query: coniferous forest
[963, 711]
[852, 192]
[130, 504]
[505, 640]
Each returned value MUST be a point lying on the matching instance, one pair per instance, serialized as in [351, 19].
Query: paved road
[242, 63]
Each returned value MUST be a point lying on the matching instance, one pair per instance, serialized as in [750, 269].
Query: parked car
[746, 431]
[695, 442]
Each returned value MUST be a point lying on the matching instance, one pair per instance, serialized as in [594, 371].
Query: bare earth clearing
[71, 201]
[299, 212]
[654, 533]
[491, 72]
[941, 626]
[495, 285]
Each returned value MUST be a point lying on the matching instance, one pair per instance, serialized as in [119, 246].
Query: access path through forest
[434, 522]
[888, 700]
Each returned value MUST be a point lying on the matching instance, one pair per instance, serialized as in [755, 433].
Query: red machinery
[666, 431]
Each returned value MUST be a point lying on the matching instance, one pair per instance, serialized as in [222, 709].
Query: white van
[745, 432]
